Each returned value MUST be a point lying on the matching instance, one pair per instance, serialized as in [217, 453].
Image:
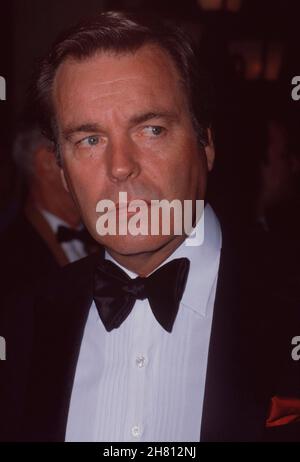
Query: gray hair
[26, 143]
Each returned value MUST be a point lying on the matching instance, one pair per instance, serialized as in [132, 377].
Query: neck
[145, 263]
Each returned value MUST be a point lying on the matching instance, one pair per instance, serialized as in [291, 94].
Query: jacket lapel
[58, 334]
[231, 409]
[42, 227]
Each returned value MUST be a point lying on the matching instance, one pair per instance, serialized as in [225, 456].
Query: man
[151, 343]
[47, 232]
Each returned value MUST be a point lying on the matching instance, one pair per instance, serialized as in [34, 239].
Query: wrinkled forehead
[109, 80]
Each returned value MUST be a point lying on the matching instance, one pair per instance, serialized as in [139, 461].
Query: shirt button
[136, 431]
[140, 361]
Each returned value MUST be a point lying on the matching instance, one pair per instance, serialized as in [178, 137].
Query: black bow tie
[65, 234]
[115, 292]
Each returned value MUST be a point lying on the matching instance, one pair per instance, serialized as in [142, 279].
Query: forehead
[106, 82]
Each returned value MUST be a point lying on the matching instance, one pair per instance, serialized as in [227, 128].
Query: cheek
[193, 178]
[82, 185]
[184, 176]
[199, 175]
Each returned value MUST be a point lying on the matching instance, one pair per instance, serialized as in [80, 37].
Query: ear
[210, 151]
[63, 179]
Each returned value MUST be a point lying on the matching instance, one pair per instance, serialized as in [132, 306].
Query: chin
[133, 245]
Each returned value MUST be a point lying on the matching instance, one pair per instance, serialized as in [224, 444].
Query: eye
[91, 140]
[154, 130]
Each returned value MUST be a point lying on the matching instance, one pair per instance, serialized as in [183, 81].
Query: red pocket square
[283, 411]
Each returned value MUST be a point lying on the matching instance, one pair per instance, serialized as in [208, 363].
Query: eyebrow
[135, 120]
[84, 128]
[140, 118]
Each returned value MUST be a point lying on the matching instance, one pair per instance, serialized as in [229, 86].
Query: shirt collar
[204, 262]
[54, 222]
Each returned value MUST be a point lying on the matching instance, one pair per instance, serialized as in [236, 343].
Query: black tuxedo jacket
[44, 332]
[29, 250]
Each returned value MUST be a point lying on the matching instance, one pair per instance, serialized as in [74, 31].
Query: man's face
[124, 126]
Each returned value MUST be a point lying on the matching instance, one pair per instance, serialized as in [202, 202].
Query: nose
[123, 163]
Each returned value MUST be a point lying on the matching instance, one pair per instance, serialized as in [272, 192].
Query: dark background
[252, 50]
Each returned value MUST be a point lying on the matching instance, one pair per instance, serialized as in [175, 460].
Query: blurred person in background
[277, 180]
[277, 222]
[47, 232]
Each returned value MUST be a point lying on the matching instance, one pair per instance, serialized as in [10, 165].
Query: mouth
[122, 208]
[125, 205]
